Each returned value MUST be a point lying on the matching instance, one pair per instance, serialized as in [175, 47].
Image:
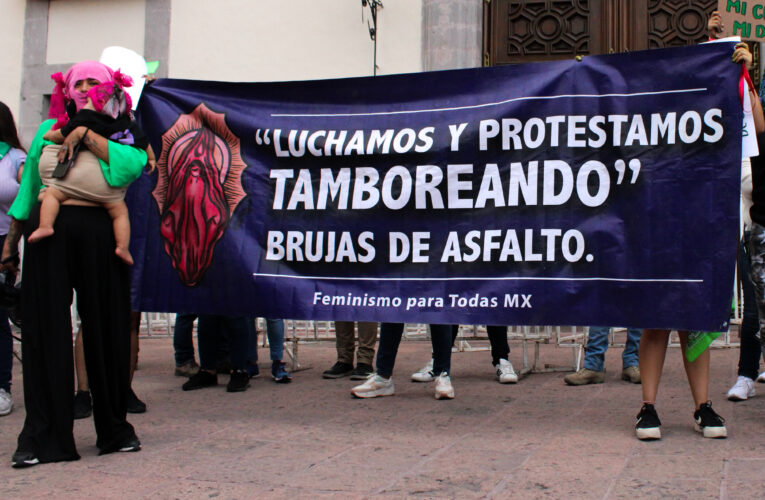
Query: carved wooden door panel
[543, 30]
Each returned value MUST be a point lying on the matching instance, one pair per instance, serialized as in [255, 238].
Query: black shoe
[130, 445]
[83, 407]
[648, 425]
[362, 372]
[135, 405]
[239, 381]
[338, 370]
[279, 373]
[23, 459]
[200, 380]
[709, 423]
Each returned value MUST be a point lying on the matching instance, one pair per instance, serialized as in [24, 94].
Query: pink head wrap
[64, 91]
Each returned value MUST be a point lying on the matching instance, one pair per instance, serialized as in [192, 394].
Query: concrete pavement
[310, 439]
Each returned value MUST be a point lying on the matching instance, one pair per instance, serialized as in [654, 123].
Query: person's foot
[742, 390]
[130, 445]
[6, 402]
[362, 371]
[648, 425]
[584, 377]
[200, 380]
[40, 233]
[761, 378]
[375, 386]
[279, 373]
[134, 404]
[83, 406]
[505, 372]
[23, 459]
[709, 423]
[187, 369]
[424, 374]
[444, 389]
[124, 254]
[631, 374]
[338, 370]
[239, 381]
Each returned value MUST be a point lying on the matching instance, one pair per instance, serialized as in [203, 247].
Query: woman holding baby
[104, 154]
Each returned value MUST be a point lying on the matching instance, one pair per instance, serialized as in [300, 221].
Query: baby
[107, 114]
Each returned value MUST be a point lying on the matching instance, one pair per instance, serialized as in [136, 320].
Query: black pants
[79, 256]
[500, 349]
[390, 338]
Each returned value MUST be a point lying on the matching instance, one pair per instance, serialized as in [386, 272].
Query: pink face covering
[64, 90]
[83, 71]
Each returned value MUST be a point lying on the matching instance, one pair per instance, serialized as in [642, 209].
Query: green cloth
[125, 166]
[698, 342]
[4, 148]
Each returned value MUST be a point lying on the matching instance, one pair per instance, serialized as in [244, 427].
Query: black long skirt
[78, 256]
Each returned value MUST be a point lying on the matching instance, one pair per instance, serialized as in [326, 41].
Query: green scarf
[4, 148]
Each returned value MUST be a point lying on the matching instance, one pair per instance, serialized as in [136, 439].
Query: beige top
[84, 181]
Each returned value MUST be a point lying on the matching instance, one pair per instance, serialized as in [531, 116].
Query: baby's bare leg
[118, 211]
[52, 199]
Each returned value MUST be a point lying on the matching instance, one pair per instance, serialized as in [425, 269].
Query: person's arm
[741, 55]
[11, 246]
[96, 143]
[715, 26]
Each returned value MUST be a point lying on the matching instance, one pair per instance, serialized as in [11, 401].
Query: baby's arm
[54, 136]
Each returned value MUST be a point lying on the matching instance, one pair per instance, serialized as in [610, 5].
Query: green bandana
[4, 148]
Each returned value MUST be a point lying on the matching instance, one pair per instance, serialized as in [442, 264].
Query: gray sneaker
[187, 369]
[6, 402]
[632, 374]
[584, 377]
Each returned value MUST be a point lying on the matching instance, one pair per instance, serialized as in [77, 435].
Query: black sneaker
[648, 425]
[135, 405]
[130, 445]
[338, 370]
[239, 381]
[200, 380]
[83, 407]
[23, 459]
[362, 372]
[709, 423]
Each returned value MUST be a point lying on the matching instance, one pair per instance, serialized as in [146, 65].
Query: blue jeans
[275, 332]
[183, 344]
[390, 338]
[597, 345]
[212, 331]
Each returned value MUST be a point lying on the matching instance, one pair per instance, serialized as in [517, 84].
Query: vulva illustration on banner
[599, 192]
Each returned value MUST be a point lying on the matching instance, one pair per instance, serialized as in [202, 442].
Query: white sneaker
[742, 390]
[6, 403]
[374, 386]
[761, 378]
[424, 374]
[444, 389]
[505, 372]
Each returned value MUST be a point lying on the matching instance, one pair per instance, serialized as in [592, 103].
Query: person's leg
[135, 327]
[183, 342]
[6, 363]
[275, 332]
[79, 363]
[749, 353]
[630, 354]
[103, 301]
[345, 342]
[757, 275]
[208, 326]
[500, 349]
[48, 368]
[239, 329]
[440, 339]
[597, 345]
[49, 209]
[367, 339]
[697, 372]
[652, 351]
[390, 338]
[118, 211]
